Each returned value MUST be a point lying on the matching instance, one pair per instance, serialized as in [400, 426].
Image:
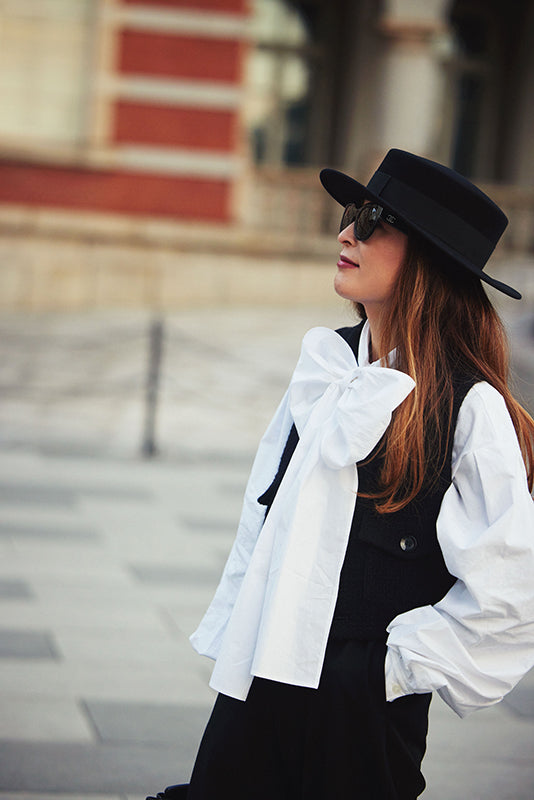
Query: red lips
[346, 263]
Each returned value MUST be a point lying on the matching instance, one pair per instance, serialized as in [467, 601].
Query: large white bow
[279, 624]
[348, 406]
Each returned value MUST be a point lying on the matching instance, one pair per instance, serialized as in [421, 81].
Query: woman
[386, 546]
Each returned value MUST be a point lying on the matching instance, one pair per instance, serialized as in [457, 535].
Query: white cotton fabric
[272, 611]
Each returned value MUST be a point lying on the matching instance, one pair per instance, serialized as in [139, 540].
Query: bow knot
[349, 406]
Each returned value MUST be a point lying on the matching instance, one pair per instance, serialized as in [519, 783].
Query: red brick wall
[233, 6]
[197, 128]
[155, 126]
[122, 192]
[172, 55]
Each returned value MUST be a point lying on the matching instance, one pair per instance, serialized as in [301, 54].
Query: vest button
[408, 543]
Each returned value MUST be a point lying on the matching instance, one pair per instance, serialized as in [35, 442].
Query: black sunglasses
[366, 218]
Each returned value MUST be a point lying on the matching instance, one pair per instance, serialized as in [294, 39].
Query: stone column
[410, 97]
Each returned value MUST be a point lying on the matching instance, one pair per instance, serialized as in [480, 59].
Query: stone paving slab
[168, 574]
[14, 493]
[27, 644]
[22, 530]
[93, 612]
[183, 681]
[145, 723]
[86, 769]
[153, 647]
[31, 718]
[521, 701]
[15, 589]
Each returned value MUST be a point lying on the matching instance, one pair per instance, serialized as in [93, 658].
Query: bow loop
[326, 363]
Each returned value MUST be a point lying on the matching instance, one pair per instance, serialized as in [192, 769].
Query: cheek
[393, 263]
[391, 276]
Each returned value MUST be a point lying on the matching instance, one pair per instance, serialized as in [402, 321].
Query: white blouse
[272, 611]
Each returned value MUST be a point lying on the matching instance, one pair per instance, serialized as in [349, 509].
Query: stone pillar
[410, 97]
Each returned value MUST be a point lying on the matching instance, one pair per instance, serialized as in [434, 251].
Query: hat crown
[453, 192]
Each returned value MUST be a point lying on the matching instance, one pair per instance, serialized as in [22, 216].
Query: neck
[375, 330]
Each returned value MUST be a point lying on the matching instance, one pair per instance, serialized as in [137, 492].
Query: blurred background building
[164, 153]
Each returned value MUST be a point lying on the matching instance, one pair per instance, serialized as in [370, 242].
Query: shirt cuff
[396, 683]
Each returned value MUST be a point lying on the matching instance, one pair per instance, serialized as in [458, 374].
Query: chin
[342, 289]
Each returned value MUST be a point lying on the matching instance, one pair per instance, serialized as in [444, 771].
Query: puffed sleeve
[476, 643]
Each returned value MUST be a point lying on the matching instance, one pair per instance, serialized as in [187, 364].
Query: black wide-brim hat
[436, 202]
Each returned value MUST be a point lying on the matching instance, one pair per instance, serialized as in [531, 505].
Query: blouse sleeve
[476, 643]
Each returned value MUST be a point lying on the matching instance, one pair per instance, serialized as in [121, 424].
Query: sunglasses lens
[367, 221]
[349, 215]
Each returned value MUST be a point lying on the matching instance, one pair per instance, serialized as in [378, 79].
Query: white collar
[364, 350]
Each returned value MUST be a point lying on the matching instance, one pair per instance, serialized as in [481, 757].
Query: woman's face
[367, 271]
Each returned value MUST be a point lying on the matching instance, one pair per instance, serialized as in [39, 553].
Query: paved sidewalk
[107, 561]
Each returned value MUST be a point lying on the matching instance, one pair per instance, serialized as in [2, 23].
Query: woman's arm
[474, 645]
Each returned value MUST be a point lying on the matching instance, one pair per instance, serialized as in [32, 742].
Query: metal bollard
[155, 350]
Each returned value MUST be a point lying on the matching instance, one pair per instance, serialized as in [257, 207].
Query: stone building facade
[163, 153]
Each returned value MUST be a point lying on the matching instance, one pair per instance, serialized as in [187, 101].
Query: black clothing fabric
[292, 743]
[268, 496]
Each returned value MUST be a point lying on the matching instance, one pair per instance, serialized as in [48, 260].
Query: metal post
[149, 448]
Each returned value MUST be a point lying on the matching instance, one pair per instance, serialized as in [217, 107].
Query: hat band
[432, 218]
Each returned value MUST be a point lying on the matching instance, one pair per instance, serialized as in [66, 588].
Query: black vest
[393, 562]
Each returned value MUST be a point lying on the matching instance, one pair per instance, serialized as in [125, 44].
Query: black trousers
[342, 740]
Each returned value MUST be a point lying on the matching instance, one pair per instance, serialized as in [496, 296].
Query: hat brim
[345, 190]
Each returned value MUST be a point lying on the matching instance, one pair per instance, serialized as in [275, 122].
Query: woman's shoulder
[483, 420]
[483, 398]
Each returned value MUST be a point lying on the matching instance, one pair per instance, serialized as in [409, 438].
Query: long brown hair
[443, 327]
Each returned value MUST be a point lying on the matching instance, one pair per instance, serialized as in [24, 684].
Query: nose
[347, 235]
